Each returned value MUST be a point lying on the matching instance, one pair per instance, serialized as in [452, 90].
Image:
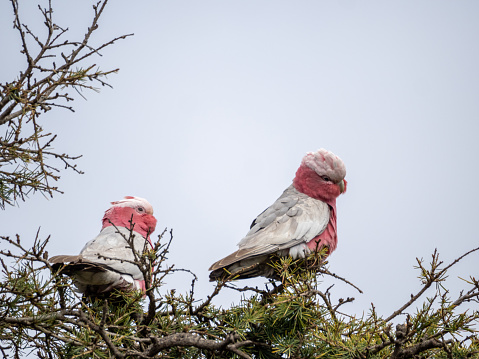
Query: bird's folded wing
[72, 264]
[293, 219]
[112, 251]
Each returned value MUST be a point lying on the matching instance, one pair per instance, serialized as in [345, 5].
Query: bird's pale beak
[341, 186]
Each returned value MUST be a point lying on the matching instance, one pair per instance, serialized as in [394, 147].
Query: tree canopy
[42, 314]
[294, 318]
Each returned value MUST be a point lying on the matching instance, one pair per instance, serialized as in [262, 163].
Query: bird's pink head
[321, 176]
[135, 209]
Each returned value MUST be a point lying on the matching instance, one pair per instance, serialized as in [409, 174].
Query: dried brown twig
[54, 64]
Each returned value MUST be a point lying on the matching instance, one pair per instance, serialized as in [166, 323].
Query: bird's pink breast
[308, 182]
[329, 236]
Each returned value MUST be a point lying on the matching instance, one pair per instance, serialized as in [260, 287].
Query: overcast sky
[216, 102]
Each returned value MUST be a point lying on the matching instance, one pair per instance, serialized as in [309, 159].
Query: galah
[302, 220]
[107, 261]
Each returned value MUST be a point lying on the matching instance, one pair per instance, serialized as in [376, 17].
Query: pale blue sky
[216, 102]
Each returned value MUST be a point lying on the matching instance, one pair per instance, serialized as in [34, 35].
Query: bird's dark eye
[141, 209]
[326, 178]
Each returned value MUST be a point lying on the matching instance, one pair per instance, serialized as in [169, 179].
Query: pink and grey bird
[107, 262]
[302, 220]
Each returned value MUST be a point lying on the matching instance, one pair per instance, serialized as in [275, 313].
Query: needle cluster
[294, 317]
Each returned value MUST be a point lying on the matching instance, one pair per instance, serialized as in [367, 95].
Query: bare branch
[26, 150]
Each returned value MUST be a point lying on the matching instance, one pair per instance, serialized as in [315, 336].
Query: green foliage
[43, 314]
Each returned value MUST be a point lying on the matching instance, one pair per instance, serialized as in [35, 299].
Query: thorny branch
[430, 277]
[442, 319]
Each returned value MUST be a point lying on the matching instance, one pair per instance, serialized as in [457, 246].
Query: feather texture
[301, 220]
[107, 262]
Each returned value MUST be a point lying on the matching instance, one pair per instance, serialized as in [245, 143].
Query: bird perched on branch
[108, 261]
[301, 221]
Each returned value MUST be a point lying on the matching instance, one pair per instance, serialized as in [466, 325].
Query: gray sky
[216, 103]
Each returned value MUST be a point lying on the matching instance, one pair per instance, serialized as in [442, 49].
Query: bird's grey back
[293, 218]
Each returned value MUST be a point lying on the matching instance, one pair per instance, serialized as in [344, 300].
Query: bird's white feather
[111, 248]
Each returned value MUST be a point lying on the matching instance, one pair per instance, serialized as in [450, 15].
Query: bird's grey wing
[294, 218]
[288, 199]
[111, 249]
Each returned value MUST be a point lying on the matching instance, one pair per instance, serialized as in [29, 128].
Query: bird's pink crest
[325, 163]
[131, 201]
